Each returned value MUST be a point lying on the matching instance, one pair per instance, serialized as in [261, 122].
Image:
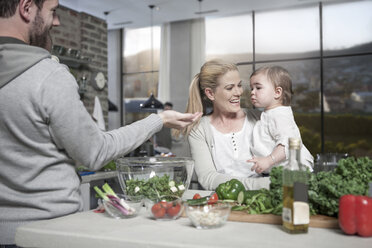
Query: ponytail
[194, 104]
[208, 77]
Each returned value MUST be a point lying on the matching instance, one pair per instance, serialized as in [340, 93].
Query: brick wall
[88, 34]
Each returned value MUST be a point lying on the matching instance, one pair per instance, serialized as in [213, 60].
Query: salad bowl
[152, 177]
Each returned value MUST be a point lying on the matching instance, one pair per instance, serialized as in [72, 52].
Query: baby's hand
[261, 164]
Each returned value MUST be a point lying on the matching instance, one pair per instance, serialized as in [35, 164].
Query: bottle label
[301, 213]
[300, 192]
[287, 215]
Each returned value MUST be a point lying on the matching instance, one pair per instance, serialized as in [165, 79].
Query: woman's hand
[261, 164]
[174, 119]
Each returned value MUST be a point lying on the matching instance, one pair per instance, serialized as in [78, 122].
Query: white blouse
[275, 127]
[233, 151]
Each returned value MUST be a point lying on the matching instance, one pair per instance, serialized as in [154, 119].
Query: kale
[276, 189]
[351, 176]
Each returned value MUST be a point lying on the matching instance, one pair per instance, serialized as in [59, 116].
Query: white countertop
[89, 229]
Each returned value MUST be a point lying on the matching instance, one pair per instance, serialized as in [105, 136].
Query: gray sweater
[44, 130]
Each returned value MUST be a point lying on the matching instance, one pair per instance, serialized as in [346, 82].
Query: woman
[220, 140]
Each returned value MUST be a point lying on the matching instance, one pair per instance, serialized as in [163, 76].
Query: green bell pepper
[229, 190]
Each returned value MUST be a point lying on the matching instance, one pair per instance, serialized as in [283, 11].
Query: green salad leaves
[351, 176]
[154, 187]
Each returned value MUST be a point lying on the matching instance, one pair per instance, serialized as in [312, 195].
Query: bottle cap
[294, 143]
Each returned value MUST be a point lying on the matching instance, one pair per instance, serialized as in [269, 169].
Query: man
[44, 127]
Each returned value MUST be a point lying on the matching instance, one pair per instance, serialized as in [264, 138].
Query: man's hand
[174, 119]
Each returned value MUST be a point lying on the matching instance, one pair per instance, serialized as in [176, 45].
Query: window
[287, 34]
[140, 69]
[137, 50]
[229, 38]
[245, 72]
[348, 104]
[348, 77]
[339, 121]
[347, 28]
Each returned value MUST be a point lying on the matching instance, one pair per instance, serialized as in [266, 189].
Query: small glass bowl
[208, 216]
[135, 204]
[167, 207]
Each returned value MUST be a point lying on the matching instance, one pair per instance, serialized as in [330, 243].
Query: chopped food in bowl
[209, 215]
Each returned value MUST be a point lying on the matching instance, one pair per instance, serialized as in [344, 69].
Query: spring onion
[111, 198]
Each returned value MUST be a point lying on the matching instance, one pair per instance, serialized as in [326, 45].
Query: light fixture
[152, 104]
[200, 12]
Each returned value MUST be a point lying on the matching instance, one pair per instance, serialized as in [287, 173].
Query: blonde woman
[219, 142]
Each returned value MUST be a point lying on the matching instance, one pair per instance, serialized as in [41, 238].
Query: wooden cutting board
[319, 221]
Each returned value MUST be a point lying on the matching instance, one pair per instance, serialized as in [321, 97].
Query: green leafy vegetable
[351, 176]
[111, 166]
[154, 187]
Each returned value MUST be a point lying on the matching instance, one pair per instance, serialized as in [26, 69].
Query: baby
[272, 90]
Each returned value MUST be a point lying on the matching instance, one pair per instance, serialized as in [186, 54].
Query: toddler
[271, 89]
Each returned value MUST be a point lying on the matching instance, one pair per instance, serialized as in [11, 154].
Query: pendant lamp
[152, 104]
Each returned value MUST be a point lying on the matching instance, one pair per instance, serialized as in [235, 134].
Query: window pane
[287, 33]
[140, 85]
[305, 100]
[245, 72]
[348, 105]
[229, 38]
[347, 28]
[137, 49]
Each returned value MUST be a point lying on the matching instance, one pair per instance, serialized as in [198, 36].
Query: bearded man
[45, 128]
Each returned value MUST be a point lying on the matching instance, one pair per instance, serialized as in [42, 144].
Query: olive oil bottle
[296, 212]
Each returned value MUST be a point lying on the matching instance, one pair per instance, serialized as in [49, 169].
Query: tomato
[174, 210]
[165, 204]
[213, 198]
[158, 210]
[196, 196]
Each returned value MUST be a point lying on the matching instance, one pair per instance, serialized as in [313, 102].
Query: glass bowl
[167, 207]
[133, 205]
[208, 216]
[152, 177]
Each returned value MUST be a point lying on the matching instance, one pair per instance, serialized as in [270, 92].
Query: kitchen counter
[99, 175]
[89, 229]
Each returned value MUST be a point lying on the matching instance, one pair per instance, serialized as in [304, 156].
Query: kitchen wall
[88, 34]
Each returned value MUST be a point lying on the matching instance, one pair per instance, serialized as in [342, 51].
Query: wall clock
[98, 81]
